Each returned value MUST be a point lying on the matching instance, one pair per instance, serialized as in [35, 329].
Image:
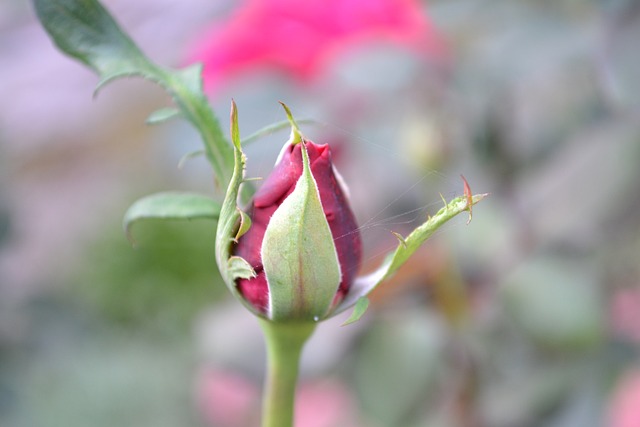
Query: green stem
[284, 341]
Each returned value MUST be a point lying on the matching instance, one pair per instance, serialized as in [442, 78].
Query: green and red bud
[304, 244]
[294, 255]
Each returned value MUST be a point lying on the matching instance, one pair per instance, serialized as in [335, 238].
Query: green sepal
[362, 286]
[296, 136]
[245, 224]
[239, 268]
[299, 256]
[230, 223]
[170, 205]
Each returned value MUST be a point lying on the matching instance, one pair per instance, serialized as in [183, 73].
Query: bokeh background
[527, 317]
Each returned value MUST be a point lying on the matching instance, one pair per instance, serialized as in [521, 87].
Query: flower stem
[284, 341]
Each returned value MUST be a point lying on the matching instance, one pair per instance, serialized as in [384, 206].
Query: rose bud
[303, 244]
[295, 254]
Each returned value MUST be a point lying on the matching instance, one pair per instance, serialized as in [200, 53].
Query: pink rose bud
[295, 254]
[312, 249]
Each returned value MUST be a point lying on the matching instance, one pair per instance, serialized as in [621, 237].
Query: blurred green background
[527, 317]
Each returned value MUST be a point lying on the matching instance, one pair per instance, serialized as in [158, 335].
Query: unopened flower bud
[304, 244]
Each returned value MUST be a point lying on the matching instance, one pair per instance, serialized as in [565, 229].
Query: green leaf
[406, 247]
[84, 30]
[360, 308]
[170, 205]
[299, 256]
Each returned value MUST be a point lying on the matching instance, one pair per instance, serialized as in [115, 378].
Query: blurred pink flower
[227, 399]
[325, 404]
[624, 409]
[625, 314]
[301, 38]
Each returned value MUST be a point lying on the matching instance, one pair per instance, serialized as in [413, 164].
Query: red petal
[268, 198]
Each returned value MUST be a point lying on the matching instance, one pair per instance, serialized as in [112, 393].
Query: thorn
[400, 238]
[469, 196]
[446, 205]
